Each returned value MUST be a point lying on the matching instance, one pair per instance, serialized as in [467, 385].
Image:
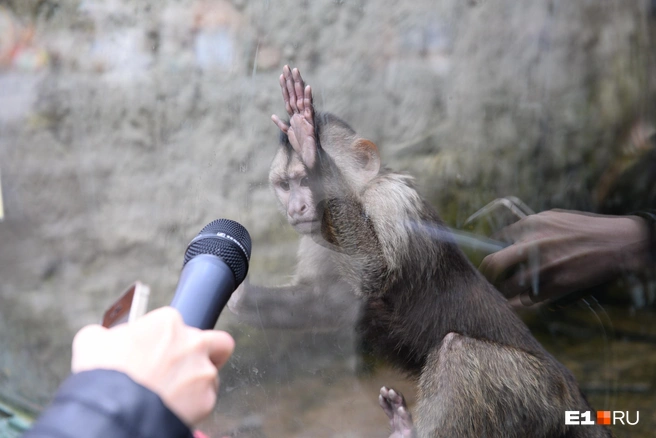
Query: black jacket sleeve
[104, 403]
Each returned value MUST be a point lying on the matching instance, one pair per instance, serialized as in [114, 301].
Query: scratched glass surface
[127, 125]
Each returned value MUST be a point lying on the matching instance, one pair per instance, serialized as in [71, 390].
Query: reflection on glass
[126, 125]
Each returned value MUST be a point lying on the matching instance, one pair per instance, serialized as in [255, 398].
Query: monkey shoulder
[391, 203]
[391, 194]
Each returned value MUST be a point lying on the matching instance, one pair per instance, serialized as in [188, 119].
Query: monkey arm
[325, 303]
[346, 224]
[317, 297]
[339, 188]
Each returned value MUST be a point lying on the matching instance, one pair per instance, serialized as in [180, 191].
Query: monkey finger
[396, 398]
[285, 94]
[309, 109]
[279, 123]
[293, 141]
[299, 85]
[289, 84]
[385, 406]
[383, 401]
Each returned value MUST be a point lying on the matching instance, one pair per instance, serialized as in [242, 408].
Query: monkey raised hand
[298, 102]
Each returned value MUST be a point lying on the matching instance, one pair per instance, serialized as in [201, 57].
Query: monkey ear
[367, 157]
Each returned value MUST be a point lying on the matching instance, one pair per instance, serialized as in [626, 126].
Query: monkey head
[357, 159]
[289, 180]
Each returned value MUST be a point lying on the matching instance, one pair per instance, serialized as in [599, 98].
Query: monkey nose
[298, 208]
[297, 211]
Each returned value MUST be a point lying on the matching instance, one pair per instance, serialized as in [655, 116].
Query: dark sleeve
[104, 403]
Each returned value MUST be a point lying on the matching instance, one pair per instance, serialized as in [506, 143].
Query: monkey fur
[423, 306]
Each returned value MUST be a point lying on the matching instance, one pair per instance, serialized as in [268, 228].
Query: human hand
[177, 362]
[557, 252]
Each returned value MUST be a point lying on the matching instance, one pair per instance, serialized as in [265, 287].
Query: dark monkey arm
[346, 224]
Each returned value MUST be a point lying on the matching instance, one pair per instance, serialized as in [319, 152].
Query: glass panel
[127, 125]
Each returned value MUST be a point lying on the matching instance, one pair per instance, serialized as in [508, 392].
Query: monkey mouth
[306, 227]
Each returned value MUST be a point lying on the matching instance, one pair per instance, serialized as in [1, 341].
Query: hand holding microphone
[177, 362]
[175, 353]
[131, 379]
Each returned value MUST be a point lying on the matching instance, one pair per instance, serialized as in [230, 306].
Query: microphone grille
[227, 240]
[231, 228]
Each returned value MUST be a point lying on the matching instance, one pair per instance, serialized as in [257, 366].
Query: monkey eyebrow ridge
[296, 175]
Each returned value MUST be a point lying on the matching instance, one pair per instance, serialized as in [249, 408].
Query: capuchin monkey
[423, 306]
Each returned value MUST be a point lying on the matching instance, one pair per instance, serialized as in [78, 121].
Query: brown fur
[367, 233]
[426, 308]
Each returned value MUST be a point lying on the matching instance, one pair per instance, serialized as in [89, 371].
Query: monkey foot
[394, 406]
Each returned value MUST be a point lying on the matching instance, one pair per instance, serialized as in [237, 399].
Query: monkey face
[290, 183]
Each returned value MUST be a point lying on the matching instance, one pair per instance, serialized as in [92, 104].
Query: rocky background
[127, 125]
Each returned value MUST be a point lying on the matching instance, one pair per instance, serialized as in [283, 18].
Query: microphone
[215, 263]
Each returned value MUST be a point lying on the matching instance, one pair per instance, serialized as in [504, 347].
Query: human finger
[84, 344]
[166, 314]
[220, 346]
[89, 333]
[519, 283]
[512, 233]
[496, 264]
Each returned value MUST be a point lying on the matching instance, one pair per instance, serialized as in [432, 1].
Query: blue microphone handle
[204, 289]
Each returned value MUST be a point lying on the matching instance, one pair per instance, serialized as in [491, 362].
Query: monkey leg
[396, 409]
[473, 388]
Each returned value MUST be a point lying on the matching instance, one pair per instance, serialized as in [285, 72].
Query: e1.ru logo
[605, 418]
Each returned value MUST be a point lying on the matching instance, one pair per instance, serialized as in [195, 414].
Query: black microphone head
[227, 240]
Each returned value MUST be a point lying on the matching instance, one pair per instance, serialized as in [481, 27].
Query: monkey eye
[305, 182]
[284, 185]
